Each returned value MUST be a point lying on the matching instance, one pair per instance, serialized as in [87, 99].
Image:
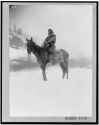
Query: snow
[31, 96]
[17, 53]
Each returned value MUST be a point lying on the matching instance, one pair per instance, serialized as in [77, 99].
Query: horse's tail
[66, 59]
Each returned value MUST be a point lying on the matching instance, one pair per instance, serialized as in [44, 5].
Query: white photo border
[5, 118]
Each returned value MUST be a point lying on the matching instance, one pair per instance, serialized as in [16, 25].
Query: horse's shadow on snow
[22, 64]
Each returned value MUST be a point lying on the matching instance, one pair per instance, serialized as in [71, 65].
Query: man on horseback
[49, 42]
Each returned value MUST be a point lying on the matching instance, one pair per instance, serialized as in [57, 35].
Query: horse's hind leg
[63, 69]
[66, 70]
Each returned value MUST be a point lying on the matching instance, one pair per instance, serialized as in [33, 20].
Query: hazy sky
[71, 23]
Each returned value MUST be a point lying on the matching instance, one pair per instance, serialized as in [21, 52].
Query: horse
[43, 58]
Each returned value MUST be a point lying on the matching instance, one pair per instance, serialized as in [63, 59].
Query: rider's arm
[52, 38]
[46, 40]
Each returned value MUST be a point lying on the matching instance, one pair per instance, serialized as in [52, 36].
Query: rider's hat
[50, 31]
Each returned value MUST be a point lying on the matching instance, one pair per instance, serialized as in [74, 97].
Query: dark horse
[43, 57]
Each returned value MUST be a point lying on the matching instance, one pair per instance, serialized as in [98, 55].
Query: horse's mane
[37, 48]
[34, 45]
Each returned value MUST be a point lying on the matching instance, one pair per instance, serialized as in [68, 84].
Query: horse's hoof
[45, 79]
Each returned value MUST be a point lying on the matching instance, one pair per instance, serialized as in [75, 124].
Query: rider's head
[50, 31]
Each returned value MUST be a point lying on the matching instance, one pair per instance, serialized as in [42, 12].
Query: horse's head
[29, 45]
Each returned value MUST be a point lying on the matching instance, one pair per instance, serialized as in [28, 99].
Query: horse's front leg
[29, 57]
[44, 73]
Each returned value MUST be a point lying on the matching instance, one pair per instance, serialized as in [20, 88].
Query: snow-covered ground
[31, 96]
